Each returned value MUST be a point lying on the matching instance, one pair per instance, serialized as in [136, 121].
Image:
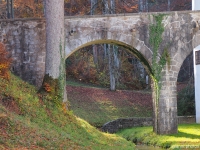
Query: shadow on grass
[185, 135]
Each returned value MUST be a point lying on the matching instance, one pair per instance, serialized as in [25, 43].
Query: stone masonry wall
[25, 40]
[116, 125]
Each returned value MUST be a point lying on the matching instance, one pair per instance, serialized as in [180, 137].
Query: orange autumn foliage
[47, 87]
[5, 63]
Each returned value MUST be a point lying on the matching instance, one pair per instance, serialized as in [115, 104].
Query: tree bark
[168, 5]
[105, 7]
[112, 6]
[55, 54]
[93, 6]
[94, 47]
[112, 58]
[141, 6]
[111, 68]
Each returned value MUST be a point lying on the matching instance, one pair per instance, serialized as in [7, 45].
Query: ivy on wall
[158, 62]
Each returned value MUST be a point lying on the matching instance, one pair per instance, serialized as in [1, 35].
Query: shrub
[186, 101]
[4, 63]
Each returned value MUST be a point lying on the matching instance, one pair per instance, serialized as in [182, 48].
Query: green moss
[158, 62]
[155, 33]
[50, 90]
[62, 76]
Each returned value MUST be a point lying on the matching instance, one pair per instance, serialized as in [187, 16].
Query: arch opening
[100, 99]
[185, 88]
[146, 62]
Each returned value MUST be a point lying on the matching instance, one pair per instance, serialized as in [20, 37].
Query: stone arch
[121, 30]
[182, 53]
[143, 59]
[141, 55]
[168, 93]
[167, 116]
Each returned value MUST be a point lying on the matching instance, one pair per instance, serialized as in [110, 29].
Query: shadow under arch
[127, 47]
[187, 68]
[185, 88]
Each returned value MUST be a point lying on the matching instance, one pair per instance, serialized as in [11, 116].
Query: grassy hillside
[29, 121]
[99, 105]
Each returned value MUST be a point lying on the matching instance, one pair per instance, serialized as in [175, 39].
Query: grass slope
[28, 122]
[100, 105]
[188, 137]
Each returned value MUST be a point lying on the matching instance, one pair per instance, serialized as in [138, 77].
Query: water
[146, 147]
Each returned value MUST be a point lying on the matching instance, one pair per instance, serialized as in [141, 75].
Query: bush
[186, 101]
[4, 63]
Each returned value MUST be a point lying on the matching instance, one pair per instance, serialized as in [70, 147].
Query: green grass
[81, 84]
[29, 121]
[98, 105]
[188, 136]
[98, 114]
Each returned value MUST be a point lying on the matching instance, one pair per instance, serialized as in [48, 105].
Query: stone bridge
[25, 39]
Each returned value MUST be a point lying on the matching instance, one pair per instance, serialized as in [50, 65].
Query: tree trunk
[112, 6]
[141, 6]
[93, 6]
[55, 54]
[147, 6]
[110, 51]
[168, 5]
[116, 63]
[111, 68]
[105, 7]
[95, 55]
[94, 47]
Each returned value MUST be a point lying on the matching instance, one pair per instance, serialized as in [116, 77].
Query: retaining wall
[116, 125]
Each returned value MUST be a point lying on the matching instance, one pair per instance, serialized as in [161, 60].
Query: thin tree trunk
[95, 55]
[111, 68]
[116, 64]
[105, 7]
[93, 6]
[112, 6]
[94, 47]
[147, 6]
[168, 5]
[141, 6]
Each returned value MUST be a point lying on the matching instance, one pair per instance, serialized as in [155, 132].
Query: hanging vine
[158, 62]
